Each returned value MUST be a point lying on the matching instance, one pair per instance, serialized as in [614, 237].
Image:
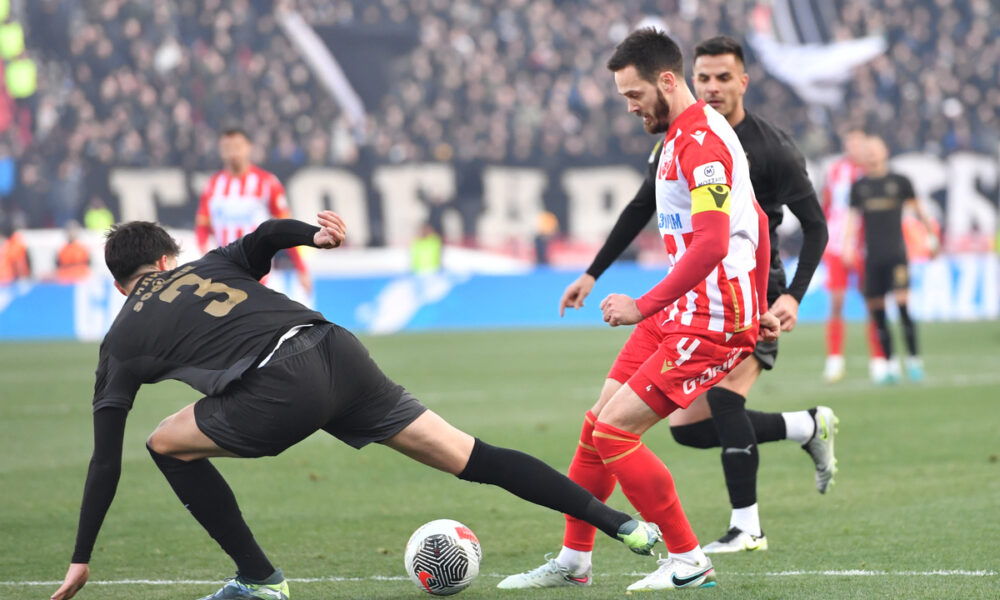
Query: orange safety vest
[14, 259]
[73, 262]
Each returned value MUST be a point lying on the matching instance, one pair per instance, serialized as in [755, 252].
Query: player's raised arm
[255, 250]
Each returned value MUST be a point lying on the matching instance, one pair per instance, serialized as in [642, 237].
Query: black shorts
[884, 277]
[766, 354]
[322, 378]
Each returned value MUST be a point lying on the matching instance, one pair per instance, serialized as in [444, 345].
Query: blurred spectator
[15, 263]
[98, 216]
[135, 83]
[548, 227]
[425, 251]
[73, 260]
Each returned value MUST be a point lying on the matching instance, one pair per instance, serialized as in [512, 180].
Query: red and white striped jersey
[232, 207]
[837, 202]
[701, 156]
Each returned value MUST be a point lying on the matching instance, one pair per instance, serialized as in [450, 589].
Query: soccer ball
[442, 557]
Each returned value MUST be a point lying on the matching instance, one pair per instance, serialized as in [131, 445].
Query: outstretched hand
[333, 230]
[76, 578]
[575, 293]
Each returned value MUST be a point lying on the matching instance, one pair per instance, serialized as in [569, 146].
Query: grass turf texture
[918, 489]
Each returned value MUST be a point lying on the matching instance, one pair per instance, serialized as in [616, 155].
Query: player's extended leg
[181, 451]
[433, 441]
[649, 486]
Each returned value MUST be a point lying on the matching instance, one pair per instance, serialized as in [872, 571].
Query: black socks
[530, 479]
[203, 491]
[739, 446]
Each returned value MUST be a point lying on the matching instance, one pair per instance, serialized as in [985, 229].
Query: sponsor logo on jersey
[710, 373]
[709, 173]
[699, 136]
[669, 221]
[667, 365]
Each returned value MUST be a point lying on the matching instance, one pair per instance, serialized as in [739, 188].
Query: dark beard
[661, 115]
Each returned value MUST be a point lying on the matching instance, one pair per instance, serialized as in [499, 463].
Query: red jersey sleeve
[763, 255]
[203, 218]
[708, 168]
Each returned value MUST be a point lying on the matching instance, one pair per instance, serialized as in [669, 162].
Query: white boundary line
[846, 573]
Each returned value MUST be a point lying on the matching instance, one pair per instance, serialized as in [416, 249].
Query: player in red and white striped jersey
[239, 198]
[840, 176]
[693, 327]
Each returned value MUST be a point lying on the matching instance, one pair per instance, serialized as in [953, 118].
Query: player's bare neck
[682, 100]
[130, 285]
[240, 172]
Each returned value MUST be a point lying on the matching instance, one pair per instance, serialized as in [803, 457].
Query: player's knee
[161, 442]
[696, 435]
[723, 401]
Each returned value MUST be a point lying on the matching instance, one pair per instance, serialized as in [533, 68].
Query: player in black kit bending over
[272, 372]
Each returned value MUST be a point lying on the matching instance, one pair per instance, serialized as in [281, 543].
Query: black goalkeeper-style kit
[880, 201]
[272, 371]
[204, 323]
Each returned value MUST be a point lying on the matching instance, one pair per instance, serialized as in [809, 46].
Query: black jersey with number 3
[204, 323]
[880, 201]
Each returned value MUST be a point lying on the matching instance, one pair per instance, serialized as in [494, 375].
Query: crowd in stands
[150, 84]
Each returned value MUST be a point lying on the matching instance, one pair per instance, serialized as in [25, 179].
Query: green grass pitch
[915, 512]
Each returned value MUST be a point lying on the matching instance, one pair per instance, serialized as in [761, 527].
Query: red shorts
[669, 367]
[837, 273]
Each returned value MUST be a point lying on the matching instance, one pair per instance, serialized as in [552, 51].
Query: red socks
[835, 337]
[587, 469]
[647, 484]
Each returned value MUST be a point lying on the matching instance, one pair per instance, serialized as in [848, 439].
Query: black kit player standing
[272, 372]
[719, 417]
[878, 198]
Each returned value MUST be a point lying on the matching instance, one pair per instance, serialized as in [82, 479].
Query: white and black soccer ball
[442, 557]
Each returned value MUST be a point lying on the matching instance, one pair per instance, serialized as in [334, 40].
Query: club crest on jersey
[666, 158]
[709, 173]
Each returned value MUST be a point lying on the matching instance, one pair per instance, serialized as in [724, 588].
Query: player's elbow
[715, 253]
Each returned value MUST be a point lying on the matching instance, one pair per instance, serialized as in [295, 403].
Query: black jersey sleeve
[790, 177]
[116, 384]
[102, 479]
[856, 200]
[814, 238]
[254, 251]
[906, 187]
[630, 222]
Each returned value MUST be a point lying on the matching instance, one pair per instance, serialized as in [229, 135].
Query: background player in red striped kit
[239, 198]
[842, 258]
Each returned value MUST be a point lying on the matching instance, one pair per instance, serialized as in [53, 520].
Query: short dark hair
[234, 130]
[129, 246]
[719, 46]
[650, 51]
